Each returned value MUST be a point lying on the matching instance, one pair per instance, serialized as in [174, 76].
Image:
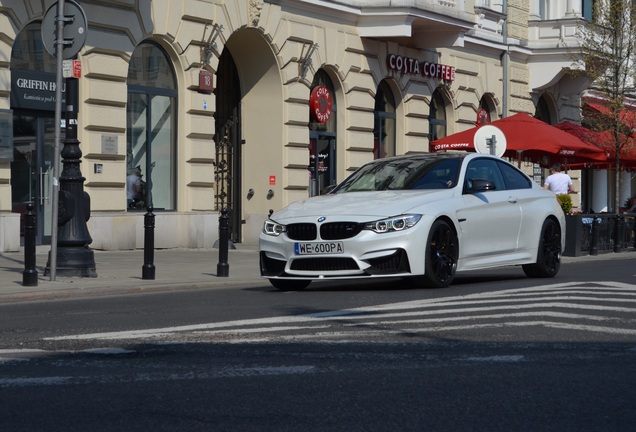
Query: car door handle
[512, 200]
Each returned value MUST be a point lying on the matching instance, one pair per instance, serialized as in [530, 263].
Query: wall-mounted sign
[320, 104]
[206, 83]
[411, 66]
[33, 90]
[482, 117]
[109, 144]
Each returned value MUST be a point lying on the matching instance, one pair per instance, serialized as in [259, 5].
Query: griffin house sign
[33, 90]
[411, 66]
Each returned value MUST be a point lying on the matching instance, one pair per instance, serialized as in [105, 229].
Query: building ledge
[413, 23]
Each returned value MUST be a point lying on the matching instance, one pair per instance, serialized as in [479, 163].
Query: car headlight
[397, 223]
[273, 228]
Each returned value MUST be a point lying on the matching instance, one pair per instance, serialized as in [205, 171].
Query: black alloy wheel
[549, 253]
[442, 251]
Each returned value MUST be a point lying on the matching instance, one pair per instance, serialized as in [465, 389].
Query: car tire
[549, 253]
[440, 261]
[290, 284]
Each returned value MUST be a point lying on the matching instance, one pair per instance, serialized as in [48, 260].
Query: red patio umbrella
[605, 141]
[531, 139]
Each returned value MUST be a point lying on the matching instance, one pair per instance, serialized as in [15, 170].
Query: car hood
[360, 205]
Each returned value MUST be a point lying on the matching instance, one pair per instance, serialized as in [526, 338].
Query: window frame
[136, 91]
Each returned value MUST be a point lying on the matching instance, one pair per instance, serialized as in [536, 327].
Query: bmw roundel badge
[321, 219]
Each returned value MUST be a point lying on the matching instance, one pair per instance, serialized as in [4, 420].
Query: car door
[520, 185]
[490, 220]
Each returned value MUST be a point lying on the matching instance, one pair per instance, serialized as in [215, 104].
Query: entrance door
[322, 162]
[228, 144]
[32, 171]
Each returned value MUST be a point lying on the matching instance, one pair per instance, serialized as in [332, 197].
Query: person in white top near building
[558, 182]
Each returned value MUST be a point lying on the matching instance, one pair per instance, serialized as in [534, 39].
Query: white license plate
[318, 248]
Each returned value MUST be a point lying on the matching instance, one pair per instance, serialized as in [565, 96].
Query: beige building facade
[304, 92]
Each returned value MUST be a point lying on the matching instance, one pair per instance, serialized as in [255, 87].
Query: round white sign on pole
[490, 139]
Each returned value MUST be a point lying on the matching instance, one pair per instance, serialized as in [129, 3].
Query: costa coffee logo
[320, 104]
[411, 66]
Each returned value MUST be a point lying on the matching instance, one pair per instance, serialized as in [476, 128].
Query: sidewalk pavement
[120, 272]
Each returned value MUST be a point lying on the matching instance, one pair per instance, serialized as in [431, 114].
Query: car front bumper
[366, 255]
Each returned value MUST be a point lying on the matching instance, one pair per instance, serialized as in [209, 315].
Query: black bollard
[148, 269]
[223, 268]
[618, 233]
[30, 274]
[594, 234]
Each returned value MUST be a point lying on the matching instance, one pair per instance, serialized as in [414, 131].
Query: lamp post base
[73, 261]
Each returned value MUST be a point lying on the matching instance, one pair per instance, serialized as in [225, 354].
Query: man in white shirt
[558, 182]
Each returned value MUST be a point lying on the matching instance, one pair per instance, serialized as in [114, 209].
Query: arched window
[384, 122]
[28, 51]
[151, 129]
[322, 138]
[437, 117]
[543, 110]
[486, 104]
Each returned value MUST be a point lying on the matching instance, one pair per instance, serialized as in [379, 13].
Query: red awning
[627, 116]
[531, 139]
[605, 141]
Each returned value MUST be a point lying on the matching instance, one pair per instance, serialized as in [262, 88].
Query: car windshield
[403, 174]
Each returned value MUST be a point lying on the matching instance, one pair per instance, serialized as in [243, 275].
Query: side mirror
[327, 189]
[479, 185]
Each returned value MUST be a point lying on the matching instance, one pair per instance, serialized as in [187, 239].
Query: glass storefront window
[151, 130]
[437, 117]
[28, 51]
[384, 123]
[322, 143]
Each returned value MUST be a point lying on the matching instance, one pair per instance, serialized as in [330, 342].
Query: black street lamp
[74, 257]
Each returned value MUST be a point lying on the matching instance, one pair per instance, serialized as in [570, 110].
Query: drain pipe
[504, 59]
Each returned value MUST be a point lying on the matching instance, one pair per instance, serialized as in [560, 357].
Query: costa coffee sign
[320, 104]
[411, 66]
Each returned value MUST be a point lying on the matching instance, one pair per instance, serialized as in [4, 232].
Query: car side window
[442, 175]
[514, 178]
[485, 169]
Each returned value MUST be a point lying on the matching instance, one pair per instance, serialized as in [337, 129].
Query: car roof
[431, 156]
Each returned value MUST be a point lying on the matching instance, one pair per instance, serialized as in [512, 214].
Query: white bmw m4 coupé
[424, 217]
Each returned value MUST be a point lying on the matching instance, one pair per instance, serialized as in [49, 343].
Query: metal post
[59, 53]
[30, 274]
[223, 268]
[618, 233]
[594, 240]
[492, 145]
[148, 269]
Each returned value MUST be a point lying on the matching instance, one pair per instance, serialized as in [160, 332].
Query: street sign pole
[59, 49]
[64, 36]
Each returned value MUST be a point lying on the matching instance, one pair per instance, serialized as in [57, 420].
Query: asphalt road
[494, 352]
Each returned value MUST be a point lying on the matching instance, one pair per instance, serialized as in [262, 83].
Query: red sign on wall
[320, 104]
[482, 117]
[272, 180]
[206, 83]
[77, 68]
